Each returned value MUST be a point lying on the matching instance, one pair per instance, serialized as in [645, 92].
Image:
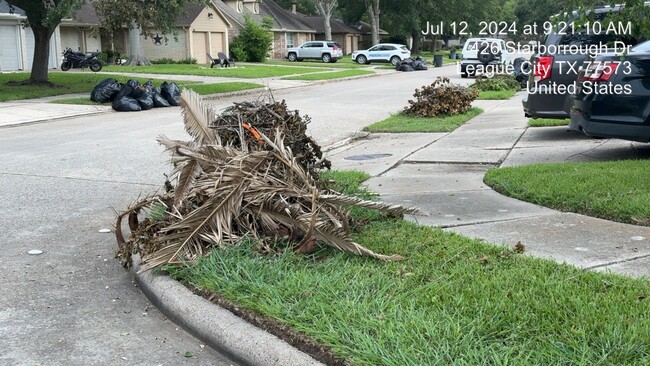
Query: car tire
[66, 65]
[484, 56]
[362, 60]
[395, 60]
[292, 57]
[326, 58]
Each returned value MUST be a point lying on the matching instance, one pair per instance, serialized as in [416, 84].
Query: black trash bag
[150, 87]
[407, 64]
[419, 64]
[521, 68]
[159, 101]
[105, 91]
[126, 104]
[146, 100]
[171, 92]
[125, 91]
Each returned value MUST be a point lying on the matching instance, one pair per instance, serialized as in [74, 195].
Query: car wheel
[361, 59]
[292, 57]
[484, 55]
[95, 66]
[395, 60]
[326, 58]
[66, 65]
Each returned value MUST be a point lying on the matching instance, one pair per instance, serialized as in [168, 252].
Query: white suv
[327, 51]
[481, 54]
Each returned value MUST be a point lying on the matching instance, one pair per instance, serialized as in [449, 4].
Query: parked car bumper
[594, 118]
[543, 104]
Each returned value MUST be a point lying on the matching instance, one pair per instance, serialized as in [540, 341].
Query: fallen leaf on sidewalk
[519, 247]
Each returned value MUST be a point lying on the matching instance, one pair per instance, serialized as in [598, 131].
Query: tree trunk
[372, 7]
[328, 26]
[41, 61]
[415, 48]
[136, 53]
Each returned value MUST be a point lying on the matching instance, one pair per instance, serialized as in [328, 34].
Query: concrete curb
[216, 326]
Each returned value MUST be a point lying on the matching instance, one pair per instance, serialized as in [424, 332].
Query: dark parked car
[613, 96]
[555, 67]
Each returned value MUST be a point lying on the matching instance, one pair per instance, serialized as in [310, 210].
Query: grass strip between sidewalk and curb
[400, 123]
[330, 75]
[201, 89]
[452, 300]
[247, 71]
[496, 94]
[613, 190]
[548, 122]
[64, 83]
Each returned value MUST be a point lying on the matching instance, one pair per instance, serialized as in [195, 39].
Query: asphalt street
[62, 180]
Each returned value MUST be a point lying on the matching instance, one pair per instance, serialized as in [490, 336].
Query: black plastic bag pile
[410, 64]
[132, 96]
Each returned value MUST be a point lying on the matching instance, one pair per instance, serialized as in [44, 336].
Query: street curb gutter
[216, 326]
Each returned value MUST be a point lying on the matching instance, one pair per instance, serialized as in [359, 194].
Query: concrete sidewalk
[443, 175]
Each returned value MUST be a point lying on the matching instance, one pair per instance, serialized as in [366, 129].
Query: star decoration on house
[157, 39]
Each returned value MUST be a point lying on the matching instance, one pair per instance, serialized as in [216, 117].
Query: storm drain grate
[367, 156]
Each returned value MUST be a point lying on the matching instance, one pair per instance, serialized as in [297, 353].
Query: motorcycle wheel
[95, 65]
[66, 65]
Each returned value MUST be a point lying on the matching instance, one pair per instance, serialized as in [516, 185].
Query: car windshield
[642, 47]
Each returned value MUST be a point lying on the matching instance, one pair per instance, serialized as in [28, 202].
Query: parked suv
[483, 54]
[555, 68]
[327, 51]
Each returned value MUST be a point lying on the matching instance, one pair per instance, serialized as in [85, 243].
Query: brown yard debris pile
[250, 173]
[441, 98]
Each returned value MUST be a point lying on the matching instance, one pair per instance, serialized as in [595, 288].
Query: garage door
[199, 39]
[9, 48]
[216, 44]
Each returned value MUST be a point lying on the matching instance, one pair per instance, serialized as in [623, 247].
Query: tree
[325, 8]
[254, 41]
[43, 17]
[144, 17]
[373, 10]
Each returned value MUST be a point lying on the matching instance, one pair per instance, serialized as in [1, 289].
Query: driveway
[74, 304]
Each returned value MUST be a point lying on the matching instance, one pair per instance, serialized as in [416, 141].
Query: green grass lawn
[201, 89]
[246, 71]
[452, 300]
[64, 83]
[343, 63]
[547, 122]
[616, 190]
[403, 123]
[496, 94]
[330, 75]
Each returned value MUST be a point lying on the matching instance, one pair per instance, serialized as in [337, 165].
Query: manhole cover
[367, 156]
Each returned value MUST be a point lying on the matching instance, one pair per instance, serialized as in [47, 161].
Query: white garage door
[200, 40]
[9, 47]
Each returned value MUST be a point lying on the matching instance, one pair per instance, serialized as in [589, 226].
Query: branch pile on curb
[234, 182]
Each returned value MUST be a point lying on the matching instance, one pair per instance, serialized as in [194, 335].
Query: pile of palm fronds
[227, 192]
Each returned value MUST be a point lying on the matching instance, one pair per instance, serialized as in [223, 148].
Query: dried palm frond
[229, 188]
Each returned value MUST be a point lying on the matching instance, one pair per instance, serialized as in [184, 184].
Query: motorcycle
[72, 59]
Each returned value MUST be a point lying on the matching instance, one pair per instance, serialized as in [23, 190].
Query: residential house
[345, 35]
[17, 41]
[201, 29]
[288, 28]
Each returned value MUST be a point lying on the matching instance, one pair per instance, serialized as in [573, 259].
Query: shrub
[254, 41]
[166, 60]
[237, 49]
[441, 98]
[496, 83]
